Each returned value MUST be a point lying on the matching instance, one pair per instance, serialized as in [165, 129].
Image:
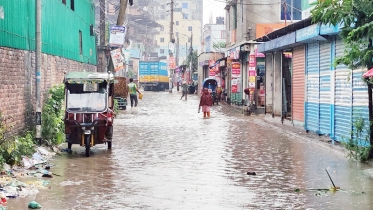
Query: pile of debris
[36, 166]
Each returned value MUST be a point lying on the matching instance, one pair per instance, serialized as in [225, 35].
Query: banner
[118, 59]
[236, 69]
[215, 69]
[171, 63]
[236, 85]
[117, 34]
[252, 71]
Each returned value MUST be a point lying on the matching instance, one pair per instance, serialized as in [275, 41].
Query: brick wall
[17, 83]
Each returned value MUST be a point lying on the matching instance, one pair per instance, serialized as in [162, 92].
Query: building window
[162, 6]
[296, 9]
[64, 2]
[177, 23]
[162, 51]
[185, 16]
[80, 42]
[184, 5]
[72, 5]
[177, 34]
[223, 34]
[162, 39]
[190, 28]
[162, 17]
[234, 16]
[162, 28]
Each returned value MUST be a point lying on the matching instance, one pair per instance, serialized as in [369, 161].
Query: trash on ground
[34, 205]
[251, 173]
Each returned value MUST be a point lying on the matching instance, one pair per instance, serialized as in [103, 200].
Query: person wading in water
[206, 102]
[132, 90]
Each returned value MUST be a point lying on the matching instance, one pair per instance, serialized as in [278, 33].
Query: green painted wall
[306, 4]
[60, 27]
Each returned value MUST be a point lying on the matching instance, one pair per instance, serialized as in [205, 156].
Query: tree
[357, 28]
[356, 17]
[194, 58]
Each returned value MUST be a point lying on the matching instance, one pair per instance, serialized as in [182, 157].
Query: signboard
[235, 85]
[214, 70]
[118, 59]
[307, 33]
[171, 63]
[236, 69]
[117, 34]
[252, 71]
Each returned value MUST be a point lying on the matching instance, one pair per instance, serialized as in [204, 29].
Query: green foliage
[194, 58]
[357, 30]
[12, 150]
[219, 45]
[358, 145]
[52, 117]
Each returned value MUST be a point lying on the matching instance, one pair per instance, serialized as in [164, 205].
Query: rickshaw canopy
[210, 81]
[88, 77]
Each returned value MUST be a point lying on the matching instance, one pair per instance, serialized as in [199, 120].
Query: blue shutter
[343, 99]
[324, 89]
[312, 88]
[360, 101]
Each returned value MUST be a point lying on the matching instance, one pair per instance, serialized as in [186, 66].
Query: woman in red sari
[206, 102]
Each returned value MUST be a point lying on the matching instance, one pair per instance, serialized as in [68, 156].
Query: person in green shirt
[184, 88]
[132, 90]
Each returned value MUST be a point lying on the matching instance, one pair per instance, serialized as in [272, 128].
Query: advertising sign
[236, 69]
[235, 85]
[252, 71]
[171, 63]
[215, 69]
[117, 34]
[118, 59]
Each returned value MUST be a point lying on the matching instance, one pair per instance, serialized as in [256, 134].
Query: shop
[324, 99]
[278, 75]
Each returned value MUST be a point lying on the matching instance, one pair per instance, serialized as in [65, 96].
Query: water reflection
[166, 156]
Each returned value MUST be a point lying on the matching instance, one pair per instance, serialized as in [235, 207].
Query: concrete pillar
[269, 82]
[277, 96]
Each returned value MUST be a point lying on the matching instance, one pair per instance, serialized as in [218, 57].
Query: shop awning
[216, 62]
[368, 73]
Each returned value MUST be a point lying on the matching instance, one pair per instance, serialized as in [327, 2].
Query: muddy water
[166, 156]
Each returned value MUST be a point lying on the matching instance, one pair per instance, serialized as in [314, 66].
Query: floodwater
[166, 156]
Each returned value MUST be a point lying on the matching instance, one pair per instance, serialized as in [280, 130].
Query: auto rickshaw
[89, 109]
[212, 85]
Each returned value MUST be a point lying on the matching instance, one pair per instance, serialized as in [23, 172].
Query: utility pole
[102, 57]
[122, 12]
[191, 55]
[177, 51]
[38, 70]
[120, 22]
[171, 41]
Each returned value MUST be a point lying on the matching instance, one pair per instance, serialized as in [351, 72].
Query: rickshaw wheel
[109, 145]
[87, 145]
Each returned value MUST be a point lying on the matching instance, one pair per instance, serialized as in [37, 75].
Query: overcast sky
[216, 7]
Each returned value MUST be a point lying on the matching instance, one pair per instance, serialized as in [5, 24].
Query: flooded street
[166, 156]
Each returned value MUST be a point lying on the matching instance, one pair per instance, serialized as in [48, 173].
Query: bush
[12, 150]
[52, 117]
[359, 145]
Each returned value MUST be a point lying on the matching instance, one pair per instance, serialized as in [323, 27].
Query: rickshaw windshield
[86, 101]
